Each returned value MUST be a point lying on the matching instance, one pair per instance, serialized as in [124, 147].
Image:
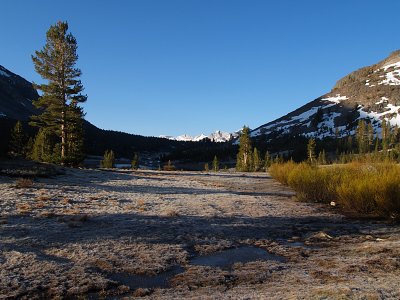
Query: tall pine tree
[63, 92]
[311, 150]
[244, 156]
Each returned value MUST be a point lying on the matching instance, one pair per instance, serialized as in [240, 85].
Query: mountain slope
[371, 93]
[16, 95]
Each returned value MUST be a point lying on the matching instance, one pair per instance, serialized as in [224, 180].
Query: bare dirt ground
[96, 234]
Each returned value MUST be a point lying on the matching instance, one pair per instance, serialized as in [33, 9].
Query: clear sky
[193, 66]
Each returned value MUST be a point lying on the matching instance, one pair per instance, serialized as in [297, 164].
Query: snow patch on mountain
[217, 136]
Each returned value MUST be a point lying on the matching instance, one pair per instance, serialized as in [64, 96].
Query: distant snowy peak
[371, 93]
[217, 136]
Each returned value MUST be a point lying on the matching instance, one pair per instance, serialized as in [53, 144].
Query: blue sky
[194, 66]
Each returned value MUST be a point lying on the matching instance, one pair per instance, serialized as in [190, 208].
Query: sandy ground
[67, 237]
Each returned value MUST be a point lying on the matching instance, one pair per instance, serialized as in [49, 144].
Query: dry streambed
[166, 235]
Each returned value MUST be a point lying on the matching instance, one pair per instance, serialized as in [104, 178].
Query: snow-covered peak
[199, 138]
[218, 136]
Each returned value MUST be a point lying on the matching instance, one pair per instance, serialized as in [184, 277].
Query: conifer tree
[75, 136]
[370, 133]
[361, 136]
[311, 150]
[63, 91]
[18, 139]
[206, 167]
[385, 135]
[257, 162]
[43, 146]
[135, 161]
[322, 157]
[215, 164]
[267, 160]
[108, 160]
[243, 162]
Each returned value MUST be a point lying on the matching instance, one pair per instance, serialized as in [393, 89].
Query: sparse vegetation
[108, 160]
[364, 188]
[135, 161]
[23, 183]
[169, 166]
[215, 164]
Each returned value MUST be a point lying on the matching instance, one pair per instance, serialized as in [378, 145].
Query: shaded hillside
[16, 96]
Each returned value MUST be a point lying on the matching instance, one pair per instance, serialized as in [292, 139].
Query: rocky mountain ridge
[371, 93]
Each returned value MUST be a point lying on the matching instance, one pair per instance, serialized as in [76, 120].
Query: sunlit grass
[365, 188]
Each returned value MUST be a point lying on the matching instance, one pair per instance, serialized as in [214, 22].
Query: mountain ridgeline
[17, 94]
[371, 93]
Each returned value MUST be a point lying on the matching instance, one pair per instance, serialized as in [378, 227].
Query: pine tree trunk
[63, 137]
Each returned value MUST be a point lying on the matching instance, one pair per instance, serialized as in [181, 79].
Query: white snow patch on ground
[305, 115]
[2, 114]
[391, 115]
[336, 99]
[383, 100]
[395, 65]
[392, 77]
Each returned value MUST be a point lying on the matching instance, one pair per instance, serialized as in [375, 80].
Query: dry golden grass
[23, 208]
[66, 201]
[364, 188]
[171, 213]
[21, 183]
[43, 198]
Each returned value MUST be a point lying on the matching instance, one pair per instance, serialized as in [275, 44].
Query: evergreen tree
[18, 139]
[43, 147]
[376, 150]
[370, 133]
[169, 166]
[108, 160]
[243, 162]
[135, 161]
[322, 157]
[75, 136]
[311, 150]
[215, 164]
[56, 64]
[385, 135]
[267, 160]
[206, 167]
[361, 136]
[29, 148]
[257, 162]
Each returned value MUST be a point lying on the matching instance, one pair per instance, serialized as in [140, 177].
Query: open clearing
[165, 235]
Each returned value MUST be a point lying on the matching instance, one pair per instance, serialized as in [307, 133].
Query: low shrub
[169, 167]
[23, 183]
[281, 171]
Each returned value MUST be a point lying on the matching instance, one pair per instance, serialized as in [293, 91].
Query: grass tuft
[21, 183]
